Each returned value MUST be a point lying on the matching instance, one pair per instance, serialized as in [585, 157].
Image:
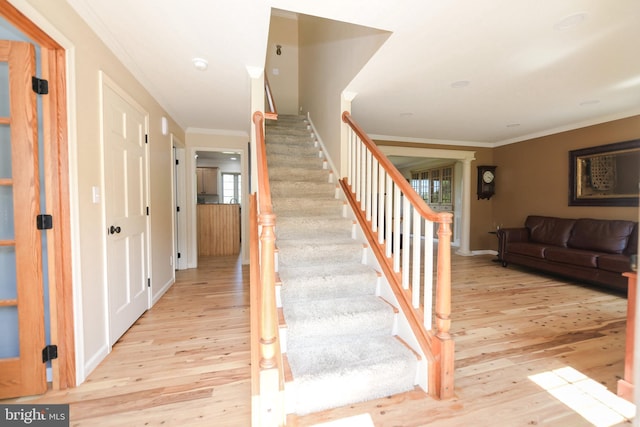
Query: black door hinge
[39, 86]
[146, 139]
[177, 162]
[44, 222]
[149, 282]
[50, 352]
[147, 210]
[177, 208]
[179, 255]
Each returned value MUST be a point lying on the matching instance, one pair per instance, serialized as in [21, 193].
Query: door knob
[114, 230]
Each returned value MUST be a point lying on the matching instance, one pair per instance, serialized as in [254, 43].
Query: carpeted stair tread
[292, 159]
[288, 228]
[313, 282]
[292, 206]
[336, 317]
[294, 253]
[285, 145]
[337, 373]
[302, 188]
[282, 173]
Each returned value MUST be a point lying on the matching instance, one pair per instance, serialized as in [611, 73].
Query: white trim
[192, 201]
[438, 153]
[480, 252]
[155, 298]
[181, 244]
[325, 152]
[521, 138]
[74, 215]
[96, 359]
[569, 127]
[431, 141]
[222, 132]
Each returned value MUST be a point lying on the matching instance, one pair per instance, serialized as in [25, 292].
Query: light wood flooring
[186, 361]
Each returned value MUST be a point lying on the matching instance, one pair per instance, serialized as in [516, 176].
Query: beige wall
[533, 176]
[331, 54]
[284, 84]
[90, 56]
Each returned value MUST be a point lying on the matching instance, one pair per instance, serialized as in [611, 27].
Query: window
[435, 186]
[420, 183]
[446, 183]
[231, 188]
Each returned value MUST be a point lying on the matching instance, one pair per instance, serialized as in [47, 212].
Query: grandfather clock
[486, 181]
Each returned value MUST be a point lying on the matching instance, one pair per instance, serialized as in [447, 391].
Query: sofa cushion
[610, 236]
[614, 262]
[535, 250]
[572, 256]
[549, 230]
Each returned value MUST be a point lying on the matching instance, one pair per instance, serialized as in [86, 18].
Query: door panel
[22, 335]
[125, 202]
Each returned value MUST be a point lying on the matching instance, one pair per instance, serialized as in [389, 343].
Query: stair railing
[267, 368]
[272, 111]
[399, 227]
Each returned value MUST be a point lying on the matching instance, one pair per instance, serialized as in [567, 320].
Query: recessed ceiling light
[460, 84]
[200, 63]
[570, 21]
[233, 158]
[590, 102]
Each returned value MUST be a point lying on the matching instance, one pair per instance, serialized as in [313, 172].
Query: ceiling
[485, 72]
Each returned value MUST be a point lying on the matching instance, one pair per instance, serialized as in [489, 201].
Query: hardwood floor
[510, 324]
[186, 361]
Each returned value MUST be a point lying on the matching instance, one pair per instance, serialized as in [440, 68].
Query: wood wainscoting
[218, 229]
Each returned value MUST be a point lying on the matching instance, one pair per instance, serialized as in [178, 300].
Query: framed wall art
[605, 175]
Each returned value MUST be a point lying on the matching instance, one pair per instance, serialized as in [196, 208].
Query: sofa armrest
[510, 235]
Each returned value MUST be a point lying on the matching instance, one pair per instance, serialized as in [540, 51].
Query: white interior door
[125, 170]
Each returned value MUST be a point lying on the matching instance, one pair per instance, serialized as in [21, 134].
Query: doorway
[218, 202]
[180, 202]
[462, 191]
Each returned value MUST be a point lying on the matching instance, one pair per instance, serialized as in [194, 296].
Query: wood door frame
[56, 176]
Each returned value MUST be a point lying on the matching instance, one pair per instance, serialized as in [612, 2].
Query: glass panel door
[9, 336]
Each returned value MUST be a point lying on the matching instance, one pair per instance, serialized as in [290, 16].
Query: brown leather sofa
[591, 250]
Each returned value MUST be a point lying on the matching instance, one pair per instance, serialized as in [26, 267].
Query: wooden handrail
[264, 188]
[268, 375]
[397, 177]
[272, 111]
[366, 196]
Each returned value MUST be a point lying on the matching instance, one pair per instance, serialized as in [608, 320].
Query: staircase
[338, 334]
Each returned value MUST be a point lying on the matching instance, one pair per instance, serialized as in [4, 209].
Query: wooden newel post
[443, 290]
[444, 342]
[267, 320]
